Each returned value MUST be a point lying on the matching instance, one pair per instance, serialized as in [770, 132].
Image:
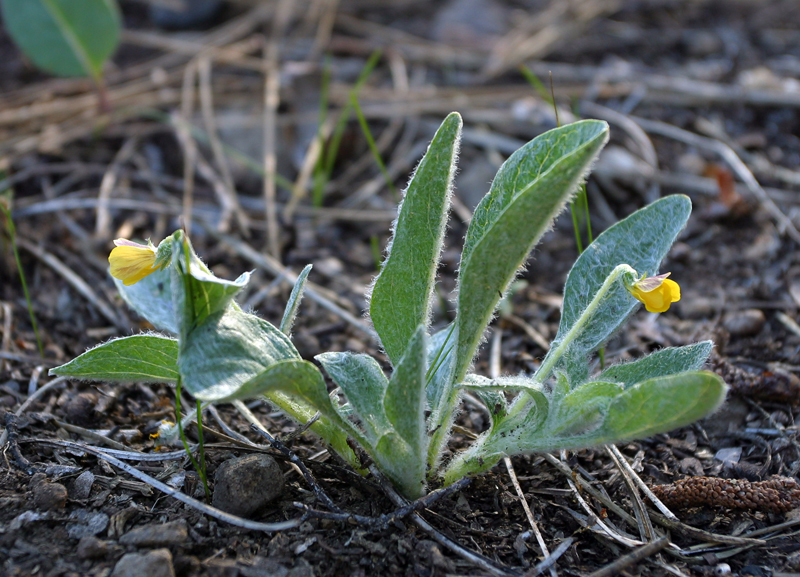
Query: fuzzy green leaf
[298, 378]
[200, 294]
[529, 191]
[659, 364]
[403, 292]
[151, 297]
[364, 384]
[64, 37]
[663, 404]
[226, 351]
[441, 364]
[140, 358]
[641, 240]
[582, 410]
[293, 303]
[405, 394]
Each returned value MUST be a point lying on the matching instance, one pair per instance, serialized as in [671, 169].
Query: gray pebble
[84, 523]
[157, 563]
[745, 323]
[172, 533]
[82, 486]
[245, 484]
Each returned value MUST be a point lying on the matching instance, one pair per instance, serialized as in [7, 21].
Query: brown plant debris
[776, 495]
[778, 386]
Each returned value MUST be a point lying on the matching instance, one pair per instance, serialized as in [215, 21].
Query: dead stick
[631, 558]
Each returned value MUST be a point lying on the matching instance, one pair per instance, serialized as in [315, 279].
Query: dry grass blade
[632, 558]
[102, 228]
[537, 34]
[723, 150]
[228, 188]
[669, 523]
[271, 101]
[75, 281]
[646, 531]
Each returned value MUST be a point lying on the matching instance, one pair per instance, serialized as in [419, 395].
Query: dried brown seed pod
[775, 495]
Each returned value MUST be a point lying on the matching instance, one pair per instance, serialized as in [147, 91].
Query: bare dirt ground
[702, 97]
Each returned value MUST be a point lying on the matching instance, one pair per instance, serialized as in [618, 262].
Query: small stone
[47, 496]
[157, 563]
[745, 323]
[245, 484]
[90, 547]
[329, 266]
[82, 486]
[172, 533]
[85, 523]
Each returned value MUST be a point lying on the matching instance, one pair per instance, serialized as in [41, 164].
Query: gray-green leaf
[658, 364]
[151, 297]
[200, 294]
[293, 303]
[405, 394]
[663, 404]
[140, 358]
[64, 37]
[227, 350]
[364, 385]
[403, 292]
[529, 191]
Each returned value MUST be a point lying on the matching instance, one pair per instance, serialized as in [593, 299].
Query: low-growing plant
[403, 421]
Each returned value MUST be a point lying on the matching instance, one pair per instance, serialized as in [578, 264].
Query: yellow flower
[131, 262]
[656, 292]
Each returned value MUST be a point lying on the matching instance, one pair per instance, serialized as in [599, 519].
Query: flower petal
[130, 264]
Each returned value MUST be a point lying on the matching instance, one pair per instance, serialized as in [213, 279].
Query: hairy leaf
[227, 350]
[403, 292]
[405, 394]
[662, 404]
[364, 384]
[140, 358]
[659, 364]
[529, 191]
[583, 409]
[151, 298]
[293, 303]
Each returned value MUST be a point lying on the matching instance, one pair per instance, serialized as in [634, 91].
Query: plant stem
[202, 446]
[12, 233]
[555, 354]
[553, 357]
[179, 419]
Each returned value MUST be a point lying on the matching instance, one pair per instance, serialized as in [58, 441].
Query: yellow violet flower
[131, 262]
[656, 292]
